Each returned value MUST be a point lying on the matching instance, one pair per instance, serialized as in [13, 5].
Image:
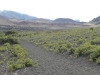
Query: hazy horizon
[83, 10]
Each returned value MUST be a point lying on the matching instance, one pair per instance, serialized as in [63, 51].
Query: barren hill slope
[4, 21]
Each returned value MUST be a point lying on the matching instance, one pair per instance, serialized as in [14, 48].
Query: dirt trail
[55, 64]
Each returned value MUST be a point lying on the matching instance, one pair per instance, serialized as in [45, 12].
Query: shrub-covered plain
[12, 55]
[77, 42]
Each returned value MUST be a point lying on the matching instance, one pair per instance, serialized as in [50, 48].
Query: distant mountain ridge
[16, 15]
[5, 21]
[12, 15]
[64, 20]
[15, 18]
[96, 20]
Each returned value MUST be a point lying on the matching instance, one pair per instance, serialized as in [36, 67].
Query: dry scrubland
[12, 55]
[74, 42]
[74, 51]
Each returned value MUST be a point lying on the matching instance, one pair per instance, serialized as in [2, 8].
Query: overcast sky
[84, 10]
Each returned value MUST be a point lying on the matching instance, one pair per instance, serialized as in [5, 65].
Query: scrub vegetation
[74, 42]
[12, 55]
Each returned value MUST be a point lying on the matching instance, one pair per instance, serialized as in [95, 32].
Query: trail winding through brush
[56, 64]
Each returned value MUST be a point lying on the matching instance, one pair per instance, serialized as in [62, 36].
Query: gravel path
[56, 64]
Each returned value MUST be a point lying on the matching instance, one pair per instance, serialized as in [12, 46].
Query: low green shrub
[10, 32]
[95, 41]
[86, 48]
[98, 60]
[77, 53]
[9, 39]
[35, 64]
[95, 54]
[62, 48]
[28, 62]
[91, 28]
